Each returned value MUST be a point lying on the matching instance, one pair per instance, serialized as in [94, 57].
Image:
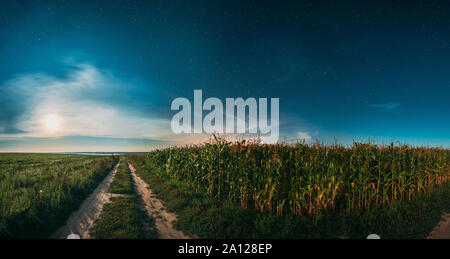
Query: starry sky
[109, 70]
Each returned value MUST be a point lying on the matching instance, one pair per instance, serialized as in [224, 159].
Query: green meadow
[38, 192]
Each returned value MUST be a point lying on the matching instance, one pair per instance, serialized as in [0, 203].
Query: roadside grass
[122, 180]
[38, 192]
[124, 217]
[201, 215]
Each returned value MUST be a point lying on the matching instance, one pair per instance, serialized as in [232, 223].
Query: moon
[52, 122]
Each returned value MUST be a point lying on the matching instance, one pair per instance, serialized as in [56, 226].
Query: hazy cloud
[91, 104]
[304, 136]
[81, 103]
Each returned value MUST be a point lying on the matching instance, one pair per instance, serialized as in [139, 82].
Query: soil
[442, 230]
[81, 221]
[163, 219]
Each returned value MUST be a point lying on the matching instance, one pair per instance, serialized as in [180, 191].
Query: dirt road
[442, 230]
[163, 219]
[83, 219]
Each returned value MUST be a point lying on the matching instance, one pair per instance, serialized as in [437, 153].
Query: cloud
[304, 136]
[90, 103]
[87, 101]
[385, 106]
[78, 144]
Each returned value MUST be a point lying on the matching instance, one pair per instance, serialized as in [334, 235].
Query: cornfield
[302, 179]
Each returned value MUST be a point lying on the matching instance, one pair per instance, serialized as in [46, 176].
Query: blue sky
[109, 72]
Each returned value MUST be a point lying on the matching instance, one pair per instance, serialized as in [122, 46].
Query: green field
[38, 192]
[236, 190]
[240, 190]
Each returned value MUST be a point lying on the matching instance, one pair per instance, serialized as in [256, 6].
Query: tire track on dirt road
[155, 209]
[442, 230]
[81, 221]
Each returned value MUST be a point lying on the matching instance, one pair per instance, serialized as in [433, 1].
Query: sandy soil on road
[163, 219]
[442, 230]
[83, 219]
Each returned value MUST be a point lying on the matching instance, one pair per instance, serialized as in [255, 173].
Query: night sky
[110, 69]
